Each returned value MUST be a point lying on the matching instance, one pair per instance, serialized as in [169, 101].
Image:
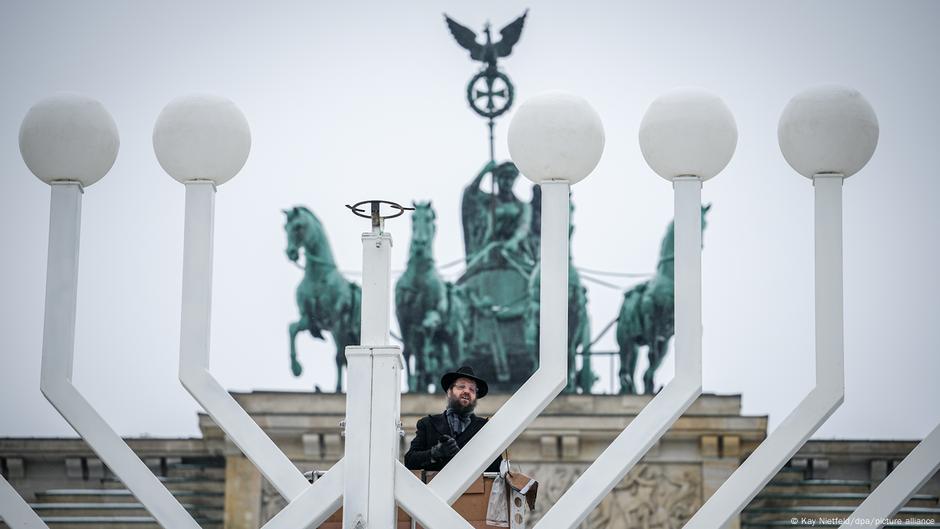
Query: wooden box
[471, 505]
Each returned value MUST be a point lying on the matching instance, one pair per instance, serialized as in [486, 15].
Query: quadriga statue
[499, 241]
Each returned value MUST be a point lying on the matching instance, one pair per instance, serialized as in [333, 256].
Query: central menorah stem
[376, 287]
[373, 397]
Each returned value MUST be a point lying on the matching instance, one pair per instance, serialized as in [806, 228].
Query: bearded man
[439, 437]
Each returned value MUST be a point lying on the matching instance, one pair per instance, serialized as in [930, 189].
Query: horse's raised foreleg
[294, 329]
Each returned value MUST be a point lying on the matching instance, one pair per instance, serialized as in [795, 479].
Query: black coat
[430, 431]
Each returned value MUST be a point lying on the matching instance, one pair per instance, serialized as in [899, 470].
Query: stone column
[720, 458]
[242, 493]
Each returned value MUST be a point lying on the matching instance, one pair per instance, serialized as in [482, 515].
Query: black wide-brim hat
[465, 372]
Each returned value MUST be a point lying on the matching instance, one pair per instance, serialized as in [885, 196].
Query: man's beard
[453, 403]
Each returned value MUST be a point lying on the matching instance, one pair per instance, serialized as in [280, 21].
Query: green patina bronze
[490, 92]
[647, 317]
[430, 311]
[325, 299]
[497, 226]
[500, 243]
[489, 317]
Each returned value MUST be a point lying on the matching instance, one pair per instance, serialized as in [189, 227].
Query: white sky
[354, 102]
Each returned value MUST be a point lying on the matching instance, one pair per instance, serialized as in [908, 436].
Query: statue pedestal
[687, 465]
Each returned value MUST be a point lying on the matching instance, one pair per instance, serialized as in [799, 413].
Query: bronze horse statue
[428, 308]
[647, 317]
[325, 299]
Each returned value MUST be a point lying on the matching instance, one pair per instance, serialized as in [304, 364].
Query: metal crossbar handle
[375, 213]
[313, 475]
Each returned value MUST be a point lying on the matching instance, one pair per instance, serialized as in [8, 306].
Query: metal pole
[385, 377]
[372, 397]
[492, 124]
[386, 423]
[830, 362]
[376, 287]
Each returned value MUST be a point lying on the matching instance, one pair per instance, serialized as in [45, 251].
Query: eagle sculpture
[490, 51]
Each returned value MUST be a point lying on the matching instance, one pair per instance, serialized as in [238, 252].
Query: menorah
[687, 137]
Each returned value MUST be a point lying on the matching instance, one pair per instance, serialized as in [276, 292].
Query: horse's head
[302, 229]
[423, 229]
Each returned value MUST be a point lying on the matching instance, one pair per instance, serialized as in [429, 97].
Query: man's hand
[445, 448]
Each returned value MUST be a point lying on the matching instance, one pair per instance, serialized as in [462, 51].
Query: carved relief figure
[651, 496]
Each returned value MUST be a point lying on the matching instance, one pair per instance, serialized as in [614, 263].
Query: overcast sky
[350, 102]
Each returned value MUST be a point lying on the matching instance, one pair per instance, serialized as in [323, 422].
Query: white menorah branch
[556, 139]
